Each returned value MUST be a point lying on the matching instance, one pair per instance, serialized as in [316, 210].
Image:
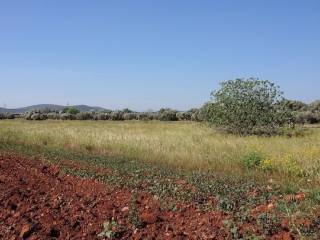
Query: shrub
[130, 116]
[127, 110]
[196, 117]
[53, 115]
[145, 116]
[116, 116]
[106, 111]
[100, 116]
[315, 106]
[28, 115]
[194, 114]
[184, 116]
[84, 116]
[249, 106]
[67, 116]
[294, 105]
[167, 115]
[107, 115]
[307, 117]
[9, 116]
[46, 110]
[95, 116]
[2, 116]
[205, 112]
[71, 110]
[38, 116]
[153, 116]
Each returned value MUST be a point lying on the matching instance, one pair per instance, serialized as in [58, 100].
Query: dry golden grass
[179, 144]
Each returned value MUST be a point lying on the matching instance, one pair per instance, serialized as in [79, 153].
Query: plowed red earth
[39, 202]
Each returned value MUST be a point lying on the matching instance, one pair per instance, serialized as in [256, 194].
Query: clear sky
[147, 54]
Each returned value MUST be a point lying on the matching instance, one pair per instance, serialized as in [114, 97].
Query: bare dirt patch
[37, 201]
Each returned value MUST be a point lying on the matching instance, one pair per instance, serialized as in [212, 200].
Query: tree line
[240, 106]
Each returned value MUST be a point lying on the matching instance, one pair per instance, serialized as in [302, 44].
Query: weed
[267, 165]
[270, 223]
[108, 229]
[314, 196]
[89, 147]
[289, 187]
[234, 231]
[290, 165]
[252, 160]
[133, 216]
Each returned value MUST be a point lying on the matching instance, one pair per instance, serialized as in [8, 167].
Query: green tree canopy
[248, 106]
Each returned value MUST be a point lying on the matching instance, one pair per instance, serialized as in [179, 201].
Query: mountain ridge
[53, 107]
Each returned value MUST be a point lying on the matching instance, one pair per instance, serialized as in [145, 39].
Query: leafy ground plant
[108, 229]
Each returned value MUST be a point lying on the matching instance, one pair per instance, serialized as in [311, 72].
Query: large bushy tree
[248, 106]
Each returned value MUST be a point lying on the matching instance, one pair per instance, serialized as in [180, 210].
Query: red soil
[37, 201]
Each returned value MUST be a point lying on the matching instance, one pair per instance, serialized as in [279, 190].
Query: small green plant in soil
[108, 229]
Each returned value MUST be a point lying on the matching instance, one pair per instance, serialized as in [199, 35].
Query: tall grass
[178, 144]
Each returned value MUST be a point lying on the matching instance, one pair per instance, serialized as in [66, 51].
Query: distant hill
[81, 108]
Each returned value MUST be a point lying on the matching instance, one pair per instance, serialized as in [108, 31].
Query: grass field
[183, 145]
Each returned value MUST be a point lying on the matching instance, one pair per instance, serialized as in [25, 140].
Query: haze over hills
[53, 107]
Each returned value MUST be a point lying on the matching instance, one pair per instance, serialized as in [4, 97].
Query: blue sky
[151, 54]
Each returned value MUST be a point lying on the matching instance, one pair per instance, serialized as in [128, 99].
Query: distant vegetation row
[303, 114]
[164, 114]
[240, 106]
